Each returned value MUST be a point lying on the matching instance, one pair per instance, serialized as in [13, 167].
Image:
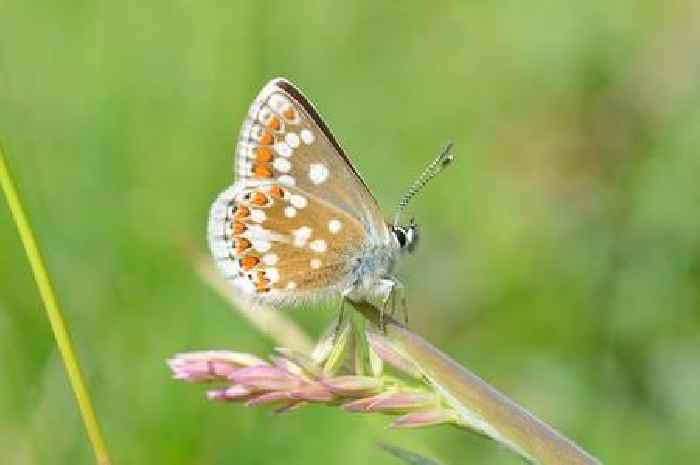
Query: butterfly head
[406, 236]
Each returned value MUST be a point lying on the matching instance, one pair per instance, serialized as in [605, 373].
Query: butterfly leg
[401, 291]
[341, 317]
[386, 290]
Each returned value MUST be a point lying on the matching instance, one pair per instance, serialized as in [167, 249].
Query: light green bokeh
[560, 255]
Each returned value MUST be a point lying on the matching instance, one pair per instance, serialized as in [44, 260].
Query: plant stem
[480, 406]
[53, 311]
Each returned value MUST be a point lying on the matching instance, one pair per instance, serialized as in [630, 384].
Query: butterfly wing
[284, 138]
[298, 211]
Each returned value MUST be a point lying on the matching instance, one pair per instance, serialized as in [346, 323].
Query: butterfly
[299, 224]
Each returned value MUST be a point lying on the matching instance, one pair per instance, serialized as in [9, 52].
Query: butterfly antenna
[430, 171]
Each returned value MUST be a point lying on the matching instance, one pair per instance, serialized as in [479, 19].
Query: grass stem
[53, 311]
[480, 406]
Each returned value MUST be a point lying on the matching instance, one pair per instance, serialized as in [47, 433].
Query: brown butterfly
[299, 224]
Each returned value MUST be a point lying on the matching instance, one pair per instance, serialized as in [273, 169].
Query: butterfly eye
[413, 236]
[400, 237]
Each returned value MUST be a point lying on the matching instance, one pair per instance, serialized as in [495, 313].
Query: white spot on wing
[265, 115]
[318, 173]
[283, 149]
[286, 180]
[221, 250]
[261, 246]
[292, 140]
[301, 236]
[279, 102]
[334, 226]
[258, 215]
[307, 136]
[282, 165]
[245, 168]
[254, 231]
[256, 132]
[270, 259]
[246, 151]
[298, 201]
[291, 285]
[272, 274]
[246, 128]
[290, 212]
[319, 245]
[315, 263]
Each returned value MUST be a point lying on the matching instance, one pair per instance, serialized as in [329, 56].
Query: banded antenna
[430, 171]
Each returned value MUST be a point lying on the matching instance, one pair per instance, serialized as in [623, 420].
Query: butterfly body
[299, 224]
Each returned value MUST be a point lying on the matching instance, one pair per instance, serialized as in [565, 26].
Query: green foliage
[559, 259]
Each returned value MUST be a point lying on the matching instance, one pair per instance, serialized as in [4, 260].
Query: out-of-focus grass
[560, 256]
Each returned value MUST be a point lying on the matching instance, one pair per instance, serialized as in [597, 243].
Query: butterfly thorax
[369, 266]
[372, 264]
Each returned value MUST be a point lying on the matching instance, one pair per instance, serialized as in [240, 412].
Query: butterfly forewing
[285, 139]
[298, 209]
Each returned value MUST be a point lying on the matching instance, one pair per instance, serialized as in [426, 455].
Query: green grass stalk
[53, 311]
[479, 405]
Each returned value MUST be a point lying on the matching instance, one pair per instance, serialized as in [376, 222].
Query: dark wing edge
[297, 95]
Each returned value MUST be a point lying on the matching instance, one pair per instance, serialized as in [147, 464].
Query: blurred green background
[560, 256]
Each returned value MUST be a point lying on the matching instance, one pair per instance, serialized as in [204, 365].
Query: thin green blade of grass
[54, 313]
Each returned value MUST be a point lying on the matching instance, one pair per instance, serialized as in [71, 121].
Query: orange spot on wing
[262, 288]
[262, 170]
[274, 124]
[289, 113]
[241, 212]
[266, 138]
[263, 154]
[239, 228]
[242, 244]
[259, 198]
[261, 284]
[277, 192]
[249, 261]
